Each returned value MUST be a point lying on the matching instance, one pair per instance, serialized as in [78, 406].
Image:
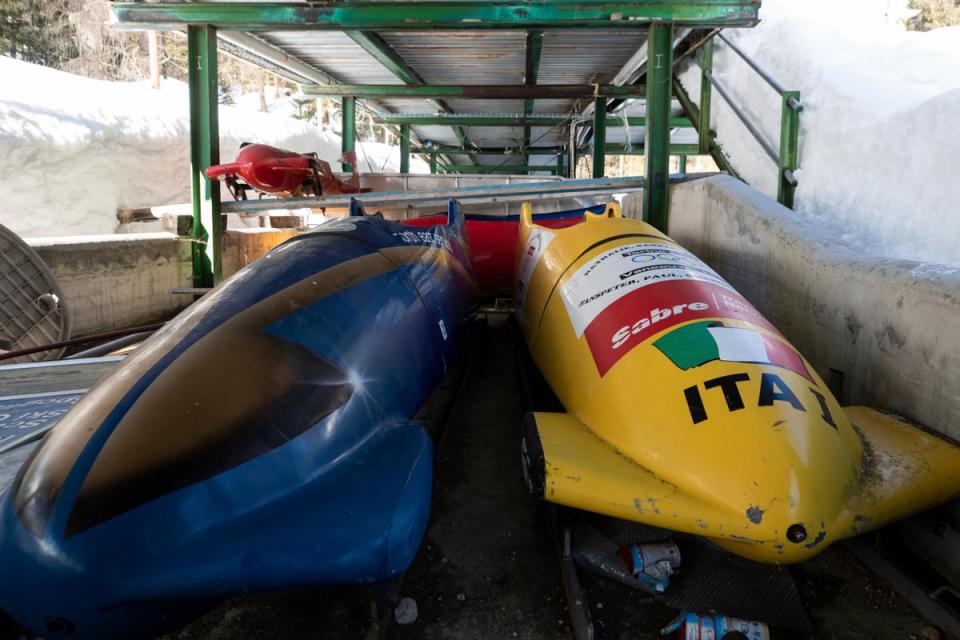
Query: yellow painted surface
[779, 452]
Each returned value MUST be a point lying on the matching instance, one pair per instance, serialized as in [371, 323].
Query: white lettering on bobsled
[656, 315]
[537, 243]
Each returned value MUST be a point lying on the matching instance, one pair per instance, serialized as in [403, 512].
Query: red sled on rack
[277, 172]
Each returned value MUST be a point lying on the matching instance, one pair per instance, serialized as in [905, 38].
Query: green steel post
[533, 47]
[706, 95]
[599, 135]
[404, 148]
[348, 135]
[204, 152]
[433, 163]
[559, 171]
[683, 164]
[657, 136]
[789, 136]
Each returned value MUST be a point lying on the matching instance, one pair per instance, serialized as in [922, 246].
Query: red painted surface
[493, 246]
[267, 168]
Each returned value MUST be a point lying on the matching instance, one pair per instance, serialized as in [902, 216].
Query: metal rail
[786, 157]
[495, 193]
[743, 118]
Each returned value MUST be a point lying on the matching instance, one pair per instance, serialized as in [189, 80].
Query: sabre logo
[772, 390]
[656, 315]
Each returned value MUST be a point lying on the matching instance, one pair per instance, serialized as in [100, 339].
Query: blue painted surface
[260, 441]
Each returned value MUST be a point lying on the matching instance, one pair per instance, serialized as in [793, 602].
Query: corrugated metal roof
[463, 57]
[479, 57]
[333, 52]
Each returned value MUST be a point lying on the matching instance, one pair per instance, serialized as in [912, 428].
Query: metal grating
[32, 310]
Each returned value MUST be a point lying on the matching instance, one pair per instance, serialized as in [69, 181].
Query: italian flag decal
[698, 343]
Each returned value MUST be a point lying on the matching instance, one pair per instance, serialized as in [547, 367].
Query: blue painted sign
[23, 415]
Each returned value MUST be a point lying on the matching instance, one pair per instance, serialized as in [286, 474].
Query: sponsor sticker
[627, 294]
[537, 242]
[619, 271]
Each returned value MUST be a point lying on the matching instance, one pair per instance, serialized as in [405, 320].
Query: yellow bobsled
[687, 410]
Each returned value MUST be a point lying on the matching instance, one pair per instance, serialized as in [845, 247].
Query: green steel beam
[640, 150]
[502, 168]
[382, 52]
[506, 120]
[534, 46]
[657, 137]
[204, 152]
[348, 15]
[491, 92]
[694, 114]
[706, 95]
[610, 149]
[599, 136]
[489, 151]
[348, 136]
[433, 163]
[789, 141]
[404, 148]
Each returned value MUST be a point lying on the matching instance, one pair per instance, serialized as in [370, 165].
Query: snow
[878, 144]
[73, 150]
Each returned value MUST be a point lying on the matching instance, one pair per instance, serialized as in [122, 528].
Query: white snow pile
[73, 150]
[879, 145]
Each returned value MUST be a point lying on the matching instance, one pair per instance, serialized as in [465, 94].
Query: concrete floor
[488, 567]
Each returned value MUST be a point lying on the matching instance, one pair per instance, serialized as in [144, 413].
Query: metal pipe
[112, 345]
[9, 355]
[743, 118]
[753, 65]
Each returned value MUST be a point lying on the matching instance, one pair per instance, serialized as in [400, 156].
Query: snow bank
[73, 150]
[878, 153]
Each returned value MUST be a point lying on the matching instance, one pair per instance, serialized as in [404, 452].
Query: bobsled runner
[687, 410]
[271, 171]
[261, 440]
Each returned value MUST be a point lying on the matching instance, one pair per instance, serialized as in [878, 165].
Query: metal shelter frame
[242, 25]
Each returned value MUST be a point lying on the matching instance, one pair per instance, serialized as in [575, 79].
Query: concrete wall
[119, 281]
[891, 327]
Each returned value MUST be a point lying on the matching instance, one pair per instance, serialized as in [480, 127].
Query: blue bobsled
[261, 440]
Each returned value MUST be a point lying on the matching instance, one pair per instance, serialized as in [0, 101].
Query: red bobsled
[278, 172]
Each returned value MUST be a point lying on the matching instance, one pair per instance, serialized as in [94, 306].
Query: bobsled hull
[687, 410]
[493, 242]
[260, 441]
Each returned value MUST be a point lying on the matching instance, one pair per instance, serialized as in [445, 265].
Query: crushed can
[695, 626]
[652, 564]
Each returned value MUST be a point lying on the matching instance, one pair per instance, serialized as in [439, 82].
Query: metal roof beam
[349, 15]
[382, 52]
[502, 168]
[491, 151]
[507, 120]
[676, 149]
[492, 92]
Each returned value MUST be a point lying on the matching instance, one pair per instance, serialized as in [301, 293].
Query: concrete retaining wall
[119, 281]
[890, 327]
